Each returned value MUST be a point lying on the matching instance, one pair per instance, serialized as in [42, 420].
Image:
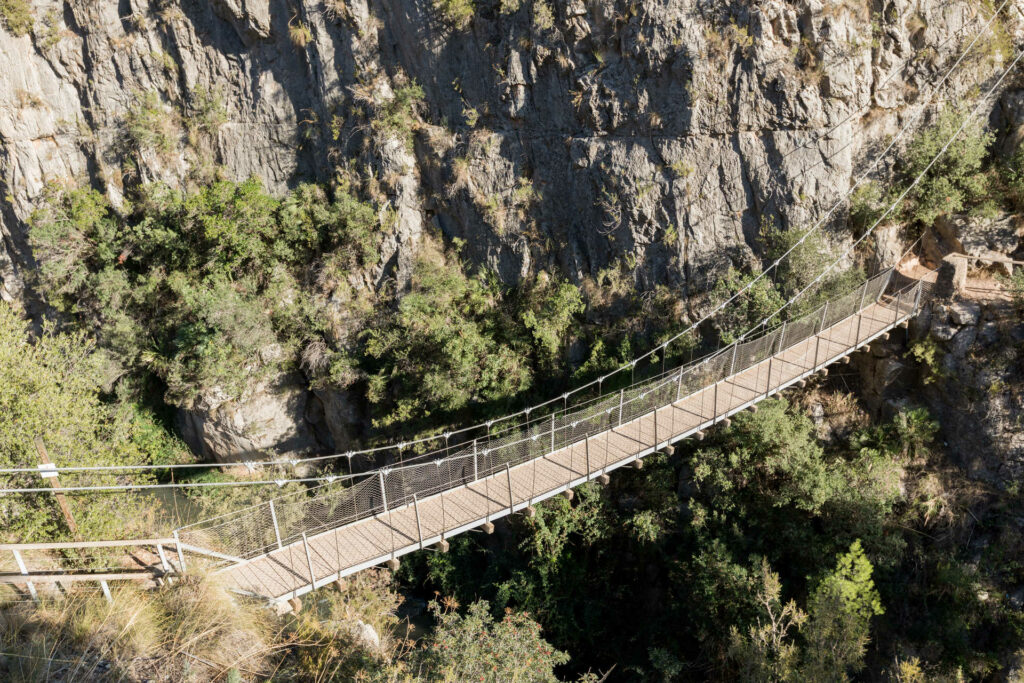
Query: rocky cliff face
[651, 136]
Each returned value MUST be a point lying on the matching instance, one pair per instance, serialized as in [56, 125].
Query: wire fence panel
[524, 438]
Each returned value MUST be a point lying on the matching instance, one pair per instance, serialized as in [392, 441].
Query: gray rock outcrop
[566, 136]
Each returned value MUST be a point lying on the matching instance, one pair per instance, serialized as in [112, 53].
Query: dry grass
[191, 630]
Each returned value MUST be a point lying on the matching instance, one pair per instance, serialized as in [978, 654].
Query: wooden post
[277, 531]
[24, 570]
[48, 471]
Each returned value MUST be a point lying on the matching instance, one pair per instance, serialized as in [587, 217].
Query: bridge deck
[285, 572]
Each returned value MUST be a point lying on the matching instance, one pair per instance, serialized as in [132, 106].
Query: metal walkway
[284, 548]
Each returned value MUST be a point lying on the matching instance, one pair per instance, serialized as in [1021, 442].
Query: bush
[444, 347]
[152, 125]
[16, 16]
[956, 181]
[456, 13]
[474, 647]
[50, 390]
[204, 288]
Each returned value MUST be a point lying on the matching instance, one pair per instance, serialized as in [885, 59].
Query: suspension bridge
[283, 548]
[288, 546]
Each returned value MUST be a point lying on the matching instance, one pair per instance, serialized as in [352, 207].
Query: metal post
[732, 365]
[181, 555]
[511, 500]
[586, 454]
[419, 529]
[337, 551]
[917, 297]
[655, 425]
[533, 487]
[782, 337]
[476, 469]
[383, 491]
[552, 432]
[163, 561]
[622, 395]
[106, 591]
[888, 279]
[24, 571]
[817, 338]
[443, 525]
[309, 561]
[679, 386]
[277, 530]
[896, 317]
[768, 389]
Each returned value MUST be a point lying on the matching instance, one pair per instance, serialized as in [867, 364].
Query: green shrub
[956, 182]
[16, 16]
[456, 13]
[203, 288]
[475, 647]
[50, 390]
[397, 118]
[443, 348]
[152, 125]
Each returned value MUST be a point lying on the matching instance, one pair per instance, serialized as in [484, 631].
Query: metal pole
[181, 555]
[782, 337]
[163, 562]
[443, 525]
[511, 500]
[309, 561]
[888, 279]
[817, 338]
[655, 425]
[21, 568]
[552, 432]
[917, 297]
[622, 395]
[679, 386]
[476, 470]
[277, 531]
[533, 486]
[419, 529]
[768, 390]
[106, 591]
[732, 365]
[586, 454]
[896, 316]
[714, 406]
[383, 490]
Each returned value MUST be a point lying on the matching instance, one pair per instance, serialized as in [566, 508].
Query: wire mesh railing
[262, 528]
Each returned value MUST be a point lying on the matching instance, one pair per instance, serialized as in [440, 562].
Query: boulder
[268, 419]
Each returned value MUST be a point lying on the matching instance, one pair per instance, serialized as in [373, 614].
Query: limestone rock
[269, 419]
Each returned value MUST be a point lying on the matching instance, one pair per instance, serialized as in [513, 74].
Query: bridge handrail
[255, 530]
